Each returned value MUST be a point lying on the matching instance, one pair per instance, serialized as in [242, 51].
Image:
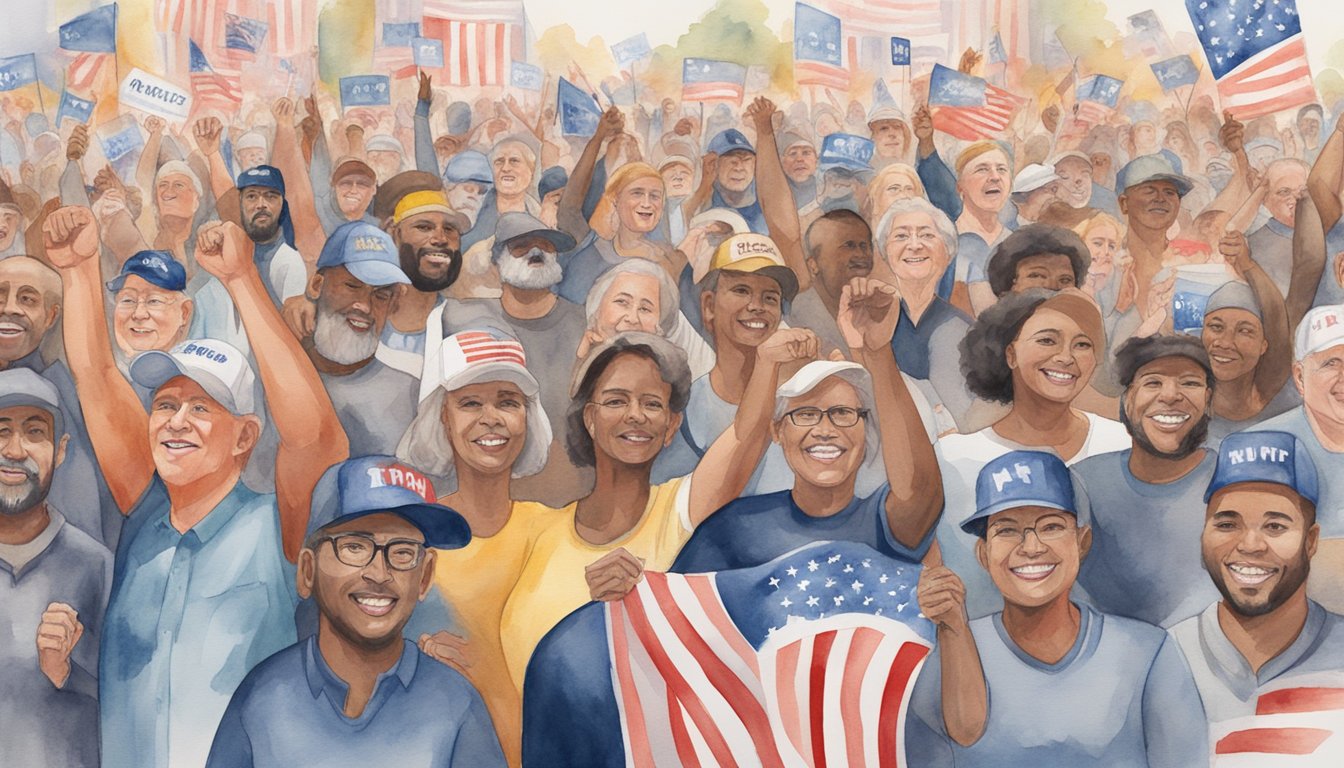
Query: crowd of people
[348, 433]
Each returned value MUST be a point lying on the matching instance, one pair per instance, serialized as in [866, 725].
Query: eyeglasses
[152, 303]
[357, 551]
[840, 416]
[1046, 529]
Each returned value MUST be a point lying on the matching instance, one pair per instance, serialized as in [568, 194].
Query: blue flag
[365, 91]
[525, 76]
[631, 49]
[75, 108]
[18, 71]
[122, 143]
[997, 53]
[579, 113]
[1175, 72]
[93, 32]
[1101, 89]
[845, 150]
[882, 95]
[244, 34]
[198, 61]
[428, 52]
[950, 88]
[816, 36]
[900, 51]
[1229, 42]
[400, 35]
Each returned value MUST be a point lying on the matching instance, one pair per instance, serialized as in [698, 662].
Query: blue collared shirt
[191, 613]
[290, 711]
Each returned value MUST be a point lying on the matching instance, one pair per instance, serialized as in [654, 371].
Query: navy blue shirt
[752, 212]
[290, 711]
[757, 529]
[910, 343]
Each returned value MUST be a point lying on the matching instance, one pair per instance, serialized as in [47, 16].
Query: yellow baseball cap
[752, 252]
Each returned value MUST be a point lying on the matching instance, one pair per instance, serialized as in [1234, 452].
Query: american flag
[1097, 98]
[209, 87]
[807, 660]
[85, 71]
[1256, 52]
[292, 24]
[479, 37]
[710, 80]
[968, 107]
[1292, 726]
[919, 20]
[818, 56]
[475, 347]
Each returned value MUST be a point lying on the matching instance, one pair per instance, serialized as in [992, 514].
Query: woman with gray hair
[628, 396]
[481, 425]
[917, 241]
[639, 295]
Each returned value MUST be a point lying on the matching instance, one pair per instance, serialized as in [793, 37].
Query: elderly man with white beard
[549, 327]
[358, 277]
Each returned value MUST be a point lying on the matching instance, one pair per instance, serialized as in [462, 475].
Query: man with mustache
[54, 594]
[1141, 498]
[352, 691]
[1266, 658]
[526, 253]
[357, 280]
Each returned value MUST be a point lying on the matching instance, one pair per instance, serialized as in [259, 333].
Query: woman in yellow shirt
[627, 401]
[482, 425]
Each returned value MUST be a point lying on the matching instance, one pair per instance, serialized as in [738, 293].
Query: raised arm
[1309, 256]
[1232, 136]
[72, 189]
[1326, 180]
[309, 236]
[570, 214]
[206, 133]
[939, 182]
[425, 157]
[311, 437]
[725, 469]
[117, 423]
[777, 203]
[148, 166]
[1276, 364]
[869, 312]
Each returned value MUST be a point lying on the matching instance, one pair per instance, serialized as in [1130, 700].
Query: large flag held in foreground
[1256, 52]
[806, 660]
[967, 107]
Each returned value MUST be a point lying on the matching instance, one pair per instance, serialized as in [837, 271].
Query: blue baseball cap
[367, 251]
[468, 165]
[371, 484]
[157, 268]
[552, 178]
[845, 150]
[270, 177]
[1264, 457]
[1020, 479]
[1158, 167]
[729, 140]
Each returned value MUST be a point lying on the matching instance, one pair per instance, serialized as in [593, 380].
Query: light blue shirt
[191, 613]
[1122, 697]
[1330, 505]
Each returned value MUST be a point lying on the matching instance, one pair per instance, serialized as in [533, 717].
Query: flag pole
[41, 100]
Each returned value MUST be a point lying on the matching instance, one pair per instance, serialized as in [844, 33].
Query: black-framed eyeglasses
[840, 416]
[358, 550]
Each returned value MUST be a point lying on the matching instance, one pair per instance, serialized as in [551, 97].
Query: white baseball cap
[1033, 177]
[221, 370]
[1322, 328]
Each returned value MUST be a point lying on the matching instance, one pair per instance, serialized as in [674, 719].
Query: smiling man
[150, 309]
[734, 168]
[1266, 657]
[838, 247]
[351, 692]
[1142, 499]
[1044, 658]
[203, 585]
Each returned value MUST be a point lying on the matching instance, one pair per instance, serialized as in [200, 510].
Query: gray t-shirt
[1145, 559]
[1219, 427]
[41, 725]
[1272, 248]
[375, 405]
[1330, 506]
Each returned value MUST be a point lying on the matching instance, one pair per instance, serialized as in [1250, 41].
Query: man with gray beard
[54, 594]
[358, 277]
[549, 327]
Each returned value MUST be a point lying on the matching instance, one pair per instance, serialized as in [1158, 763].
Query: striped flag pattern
[1256, 52]
[85, 70]
[709, 80]
[1291, 728]
[210, 87]
[699, 684]
[971, 118]
[479, 38]
[919, 20]
[481, 347]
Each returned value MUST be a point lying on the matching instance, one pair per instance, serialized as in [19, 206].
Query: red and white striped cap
[483, 355]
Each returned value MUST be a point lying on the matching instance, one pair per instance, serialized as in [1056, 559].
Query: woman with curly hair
[1035, 351]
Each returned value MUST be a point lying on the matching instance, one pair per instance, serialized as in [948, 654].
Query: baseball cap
[729, 140]
[391, 192]
[1264, 457]
[22, 386]
[845, 150]
[752, 252]
[1157, 167]
[468, 165]
[727, 216]
[1033, 177]
[262, 176]
[676, 160]
[516, 224]
[428, 201]
[553, 178]
[458, 118]
[367, 251]
[885, 112]
[368, 485]
[221, 370]
[1062, 156]
[250, 140]
[381, 142]
[351, 166]
[1020, 479]
[157, 268]
[1322, 328]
